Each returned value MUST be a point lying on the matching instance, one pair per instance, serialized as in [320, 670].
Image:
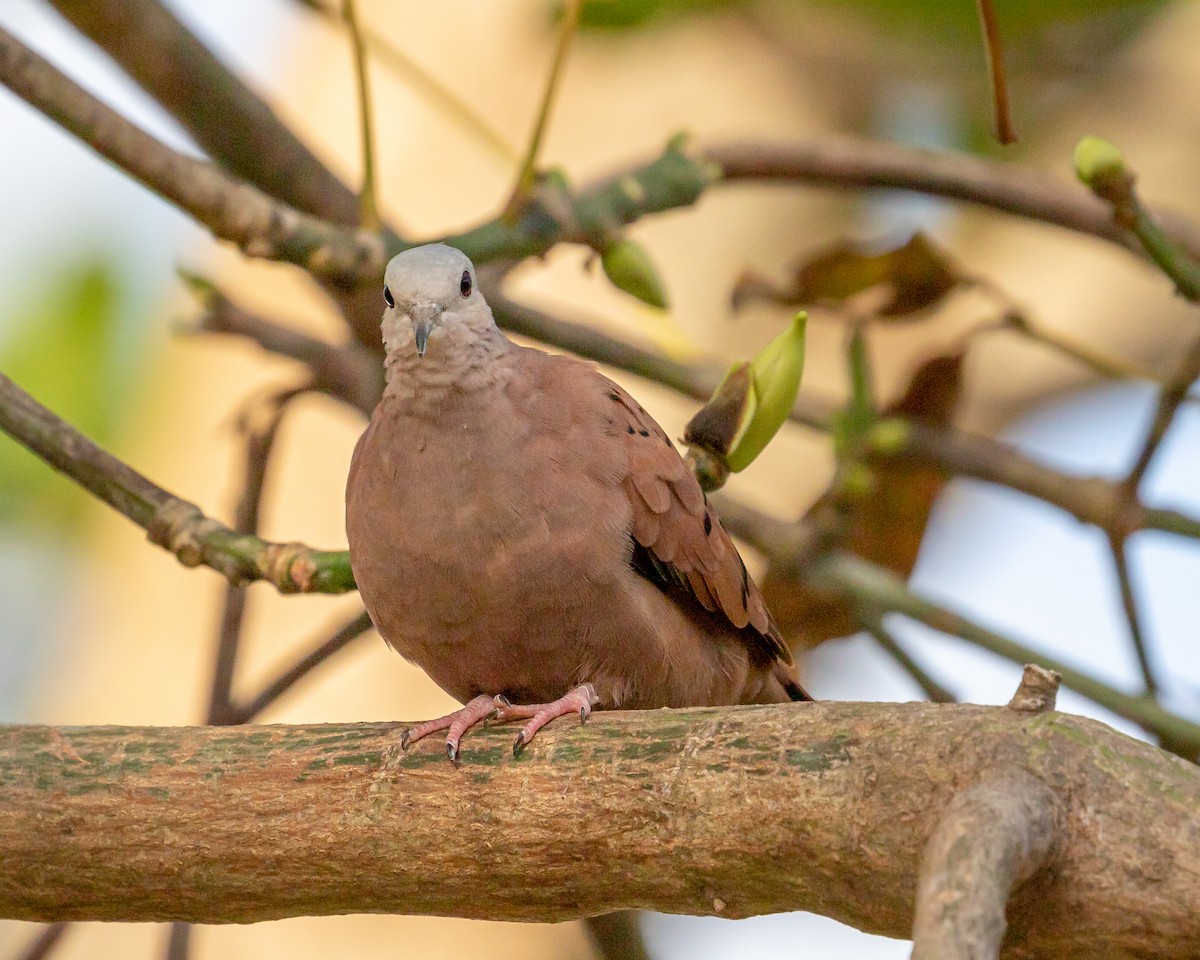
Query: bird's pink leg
[458, 723]
[580, 700]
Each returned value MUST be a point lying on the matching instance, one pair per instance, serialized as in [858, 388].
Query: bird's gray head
[430, 292]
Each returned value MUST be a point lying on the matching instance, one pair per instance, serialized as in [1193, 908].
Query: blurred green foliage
[959, 19]
[942, 19]
[62, 343]
[628, 14]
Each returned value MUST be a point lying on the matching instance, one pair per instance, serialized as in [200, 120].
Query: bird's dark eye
[387, 296]
[464, 285]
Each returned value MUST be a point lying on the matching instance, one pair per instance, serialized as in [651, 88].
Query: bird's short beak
[421, 334]
[424, 316]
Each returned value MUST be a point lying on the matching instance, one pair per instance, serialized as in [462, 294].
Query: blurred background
[96, 627]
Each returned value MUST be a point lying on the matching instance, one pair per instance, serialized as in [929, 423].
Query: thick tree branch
[230, 122]
[849, 162]
[171, 522]
[734, 811]
[1093, 500]
[993, 837]
[233, 210]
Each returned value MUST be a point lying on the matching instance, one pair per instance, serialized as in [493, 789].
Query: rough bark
[826, 807]
[995, 836]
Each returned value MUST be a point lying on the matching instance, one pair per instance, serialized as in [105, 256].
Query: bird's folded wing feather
[678, 539]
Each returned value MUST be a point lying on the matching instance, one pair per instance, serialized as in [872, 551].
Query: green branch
[169, 521]
[874, 588]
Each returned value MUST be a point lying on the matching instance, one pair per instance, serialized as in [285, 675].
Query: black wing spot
[614, 396]
[665, 576]
[629, 430]
[707, 524]
[644, 433]
[745, 586]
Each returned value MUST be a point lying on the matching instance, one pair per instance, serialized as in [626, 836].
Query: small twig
[993, 47]
[1101, 166]
[1170, 398]
[617, 936]
[348, 372]
[260, 443]
[44, 943]
[1169, 401]
[427, 85]
[342, 638]
[933, 690]
[528, 169]
[993, 837]
[1106, 366]
[367, 204]
[1118, 546]
[179, 942]
[170, 522]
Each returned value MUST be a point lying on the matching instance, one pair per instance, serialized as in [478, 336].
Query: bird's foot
[580, 700]
[458, 723]
[483, 708]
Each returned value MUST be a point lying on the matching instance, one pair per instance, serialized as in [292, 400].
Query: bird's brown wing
[679, 543]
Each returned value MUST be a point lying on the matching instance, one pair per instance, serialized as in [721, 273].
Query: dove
[523, 530]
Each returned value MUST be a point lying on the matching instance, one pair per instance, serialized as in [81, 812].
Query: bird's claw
[519, 744]
[501, 703]
[452, 751]
[405, 739]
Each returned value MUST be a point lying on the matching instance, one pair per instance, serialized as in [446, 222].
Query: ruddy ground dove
[523, 530]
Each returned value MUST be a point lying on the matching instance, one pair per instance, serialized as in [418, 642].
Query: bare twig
[231, 209]
[617, 936]
[1170, 399]
[179, 941]
[994, 837]
[993, 47]
[367, 204]
[260, 443]
[237, 212]
[933, 690]
[427, 85]
[44, 943]
[528, 169]
[1112, 368]
[1118, 548]
[342, 638]
[349, 371]
[170, 522]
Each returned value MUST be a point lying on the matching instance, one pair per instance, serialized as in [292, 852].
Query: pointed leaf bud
[629, 267]
[776, 379]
